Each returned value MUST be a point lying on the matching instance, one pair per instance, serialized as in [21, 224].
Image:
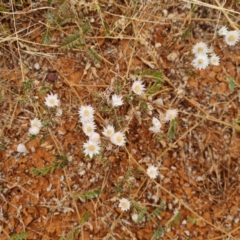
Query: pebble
[36, 66]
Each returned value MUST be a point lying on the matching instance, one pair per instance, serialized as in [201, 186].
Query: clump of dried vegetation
[110, 129]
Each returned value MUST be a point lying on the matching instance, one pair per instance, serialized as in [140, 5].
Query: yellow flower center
[86, 112]
[91, 148]
[200, 61]
[232, 38]
[89, 128]
[52, 101]
[109, 132]
[119, 139]
[137, 88]
[172, 116]
[124, 205]
[152, 172]
[200, 49]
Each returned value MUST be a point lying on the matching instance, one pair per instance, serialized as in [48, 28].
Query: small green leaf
[172, 129]
[231, 83]
[175, 220]
[106, 27]
[88, 195]
[159, 233]
[19, 236]
[3, 9]
[85, 217]
[46, 37]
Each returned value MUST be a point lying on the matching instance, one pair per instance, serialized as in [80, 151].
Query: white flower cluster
[86, 114]
[92, 146]
[35, 126]
[137, 87]
[230, 37]
[204, 56]
[117, 138]
[171, 114]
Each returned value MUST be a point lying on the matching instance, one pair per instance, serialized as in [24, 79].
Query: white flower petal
[117, 100]
[156, 122]
[155, 129]
[34, 130]
[95, 137]
[222, 31]
[21, 148]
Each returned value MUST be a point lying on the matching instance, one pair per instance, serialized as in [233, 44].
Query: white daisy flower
[152, 172]
[108, 131]
[214, 60]
[222, 31]
[117, 100]
[52, 100]
[34, 130]
[200, 48]
[21, 148]
[91, 148]
[124, 204]
[118, 139]
[138, 87]
[36, 123]
[171, 115]
[201, 61]
[232, 37]
[89, 127]
[95, 137]
[86, 113]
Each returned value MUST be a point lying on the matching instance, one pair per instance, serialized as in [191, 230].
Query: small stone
[172, 56]
[51, 77]
[36, 66]
[199, 179]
